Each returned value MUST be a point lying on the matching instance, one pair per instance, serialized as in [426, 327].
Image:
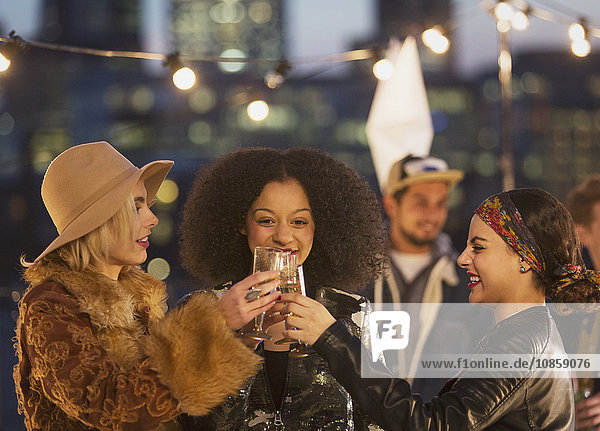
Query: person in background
[583, 202]
[95, 347]
[423, 260]
[304, 201]
[522, 248]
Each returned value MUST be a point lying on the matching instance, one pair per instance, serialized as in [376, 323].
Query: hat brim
[450, 176]
[101, 210]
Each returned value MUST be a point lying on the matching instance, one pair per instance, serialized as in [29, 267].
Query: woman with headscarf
[522, 247]
[95, 347]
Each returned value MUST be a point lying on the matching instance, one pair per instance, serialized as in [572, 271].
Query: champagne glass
[301, 349]
[265, 259]
[289, 282]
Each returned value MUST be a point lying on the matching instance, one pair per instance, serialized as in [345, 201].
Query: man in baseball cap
[422, 258]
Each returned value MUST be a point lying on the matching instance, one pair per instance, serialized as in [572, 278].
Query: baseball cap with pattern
[413, 169]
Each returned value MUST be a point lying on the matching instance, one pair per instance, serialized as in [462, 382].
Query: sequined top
[313, 399]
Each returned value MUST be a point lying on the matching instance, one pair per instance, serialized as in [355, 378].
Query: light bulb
[4, 63]
[520, 20]
[504, 11]
[258, 110]
[383, 69]
[274, 79]
[503, 26]
[435, 40]
[581, 48]
[576, 31]
[184, 78]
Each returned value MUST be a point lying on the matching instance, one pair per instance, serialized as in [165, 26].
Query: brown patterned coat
[101, 354]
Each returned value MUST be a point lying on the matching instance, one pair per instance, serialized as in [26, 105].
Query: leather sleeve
[71, 369]
[470, 404]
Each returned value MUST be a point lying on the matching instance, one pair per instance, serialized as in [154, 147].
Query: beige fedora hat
[85, 185]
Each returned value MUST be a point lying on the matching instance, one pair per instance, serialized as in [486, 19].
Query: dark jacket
[313, 400]
[527, 403]
[440, 281]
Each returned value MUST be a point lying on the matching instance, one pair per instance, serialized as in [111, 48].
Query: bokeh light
[184, 78]
[581, 47]
[232, 67]
[383, 69]
[258, 110]
[159, 268]
[202, 100]
[520, 20]
[168, 192]
[4, 63]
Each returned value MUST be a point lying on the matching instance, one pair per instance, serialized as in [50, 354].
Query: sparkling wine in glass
[265, 259]
[301, 349]
[289, 282]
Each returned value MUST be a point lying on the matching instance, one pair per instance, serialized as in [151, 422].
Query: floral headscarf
[500, 213]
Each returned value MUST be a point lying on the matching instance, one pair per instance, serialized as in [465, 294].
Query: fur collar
[121, 311]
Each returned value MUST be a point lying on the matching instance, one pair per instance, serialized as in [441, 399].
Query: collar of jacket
[121, 310]
[109, 303]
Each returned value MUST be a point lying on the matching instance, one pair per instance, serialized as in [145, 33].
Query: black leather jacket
[533, 402]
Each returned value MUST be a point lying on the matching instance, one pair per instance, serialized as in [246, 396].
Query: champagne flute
[265, 259]
[301, 349]
[289, 282]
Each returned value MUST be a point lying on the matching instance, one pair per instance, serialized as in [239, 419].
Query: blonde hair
[81, 253]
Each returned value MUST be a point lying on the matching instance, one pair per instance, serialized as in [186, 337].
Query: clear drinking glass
[295, 284]
[289, 282]
[265, 259]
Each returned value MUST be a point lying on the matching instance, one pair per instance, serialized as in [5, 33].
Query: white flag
[399, 121]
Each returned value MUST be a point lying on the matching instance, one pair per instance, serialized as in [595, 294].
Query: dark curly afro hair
[349, 243]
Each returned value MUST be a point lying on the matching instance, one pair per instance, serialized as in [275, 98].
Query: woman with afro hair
[305, 201]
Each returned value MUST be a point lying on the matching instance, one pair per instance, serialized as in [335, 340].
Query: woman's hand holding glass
[266, 259]
[238, 310]
[309, 317]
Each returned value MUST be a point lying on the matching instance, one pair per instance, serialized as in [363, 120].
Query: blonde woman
[96, 349]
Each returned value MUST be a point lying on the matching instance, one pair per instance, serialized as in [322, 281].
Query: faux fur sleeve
[197, 356]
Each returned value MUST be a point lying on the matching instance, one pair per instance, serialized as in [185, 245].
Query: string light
[184, 78]
[576, 31]
[504, 11]
[276, 77]
[258, 110]
[383, 69]
[520, 19]
[435, 40]
[10, 50]
[580, 45]
[4, 63]
[509, 13]
[581, 48]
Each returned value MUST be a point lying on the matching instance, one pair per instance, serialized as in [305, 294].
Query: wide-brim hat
[412, 170]
[85, 186]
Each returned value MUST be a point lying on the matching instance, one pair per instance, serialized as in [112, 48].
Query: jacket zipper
[277, 419]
